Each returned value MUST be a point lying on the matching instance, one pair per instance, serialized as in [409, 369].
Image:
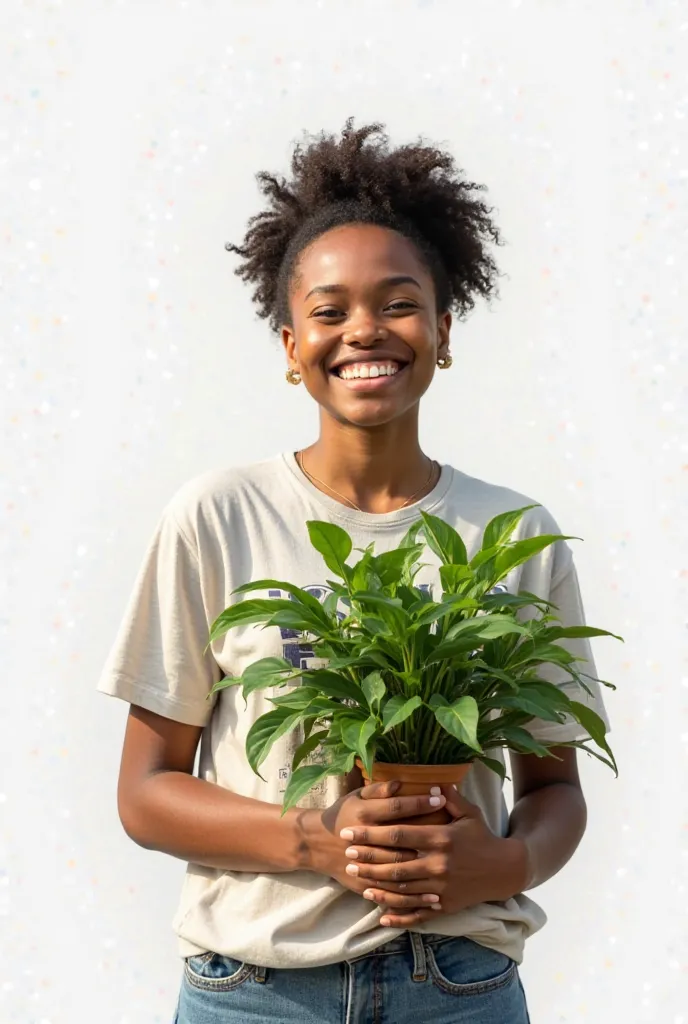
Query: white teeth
[355, 370]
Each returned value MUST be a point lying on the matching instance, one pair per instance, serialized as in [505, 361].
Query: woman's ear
[289, 345]
[444, 323]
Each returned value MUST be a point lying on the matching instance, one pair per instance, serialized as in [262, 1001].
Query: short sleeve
[566, 595]
[158, 659]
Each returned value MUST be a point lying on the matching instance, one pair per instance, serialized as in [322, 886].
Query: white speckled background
[131, 361]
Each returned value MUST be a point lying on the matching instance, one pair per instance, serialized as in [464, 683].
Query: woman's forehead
[357, 251]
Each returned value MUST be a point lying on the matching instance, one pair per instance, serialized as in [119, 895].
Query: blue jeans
[412, 980]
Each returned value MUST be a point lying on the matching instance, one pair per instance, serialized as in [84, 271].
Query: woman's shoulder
[225, 490]
[477, 501]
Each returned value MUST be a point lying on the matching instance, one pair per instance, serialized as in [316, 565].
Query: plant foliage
[411, 679]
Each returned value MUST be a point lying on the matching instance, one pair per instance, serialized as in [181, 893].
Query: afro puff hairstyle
[356, 178]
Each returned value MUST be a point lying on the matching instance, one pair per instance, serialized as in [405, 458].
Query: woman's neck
[376, 470]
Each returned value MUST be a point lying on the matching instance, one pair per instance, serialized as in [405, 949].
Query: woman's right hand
[376, 804]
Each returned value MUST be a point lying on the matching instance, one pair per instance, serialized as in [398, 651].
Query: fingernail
[435, 791]
[351, 853]
[435, 801]
[346, 833]
[385, 922]
[352, 869]
[430, 898]
[436, 906]
[369, 894]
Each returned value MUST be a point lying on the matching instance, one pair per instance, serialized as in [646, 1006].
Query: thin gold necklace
[409, 501]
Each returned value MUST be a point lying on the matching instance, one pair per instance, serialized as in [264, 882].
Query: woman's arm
[549, 814]
[164, 807]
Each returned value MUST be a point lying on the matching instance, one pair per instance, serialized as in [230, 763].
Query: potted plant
[415, 687]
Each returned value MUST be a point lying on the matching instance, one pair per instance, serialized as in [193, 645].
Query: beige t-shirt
[223, 529]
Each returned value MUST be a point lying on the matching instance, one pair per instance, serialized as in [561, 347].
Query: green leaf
[530, 703]
[468, 635]
[243, 613]
[299, 697]
[521, 741]
[486, 627]
[386, 608]
[314, 707]
[528, 653]
[376, 626]
[308, 775]
[521, 600]
[494, 765]
[460, 720]
[363, 575]
[357, 735]
[330, 684]
[330, 604]
[593, 753]
[410, 538]
[223, 684]
[452, 576]
[374, 688]
[398, 709]
[333, 543]
[499, 530]
[449, 605]
[444, 540]
[300, 619]
[307, 747]
[267, 672]
[448, 650]
[556, 696]
[594, 726]
[301, 596]
[520, 552]
[495, 626]
[571, 632]
[393, 567]
[265, 732]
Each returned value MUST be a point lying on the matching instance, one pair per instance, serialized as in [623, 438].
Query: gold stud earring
[293, 376]
[444, 362]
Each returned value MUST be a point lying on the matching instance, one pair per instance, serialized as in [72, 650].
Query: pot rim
[385, 772]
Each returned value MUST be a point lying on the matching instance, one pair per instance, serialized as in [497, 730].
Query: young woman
[336, 912]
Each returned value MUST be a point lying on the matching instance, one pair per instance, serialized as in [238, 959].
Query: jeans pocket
[216, 973]
[462, 967]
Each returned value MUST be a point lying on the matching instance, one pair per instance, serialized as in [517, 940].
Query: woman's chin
[370, 415]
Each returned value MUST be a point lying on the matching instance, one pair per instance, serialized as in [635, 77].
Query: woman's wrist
[314, 845]
[516, 871]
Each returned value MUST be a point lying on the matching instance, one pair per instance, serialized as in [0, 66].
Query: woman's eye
[328, 314]
[402, 304]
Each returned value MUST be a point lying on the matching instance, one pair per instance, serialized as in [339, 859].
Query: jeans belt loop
[260, 975]
[420, 964]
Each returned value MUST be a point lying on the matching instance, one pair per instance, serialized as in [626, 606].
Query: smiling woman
[359, 262]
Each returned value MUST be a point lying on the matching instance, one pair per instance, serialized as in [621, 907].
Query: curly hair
[416, 190]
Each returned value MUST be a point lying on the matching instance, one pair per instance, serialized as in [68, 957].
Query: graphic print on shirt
[301, 655]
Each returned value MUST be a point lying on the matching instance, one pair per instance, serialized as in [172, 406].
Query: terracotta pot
[417, 780]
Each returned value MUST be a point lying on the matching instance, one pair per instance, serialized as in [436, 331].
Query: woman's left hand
[462, 863]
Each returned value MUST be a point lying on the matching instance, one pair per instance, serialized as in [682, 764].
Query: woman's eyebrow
[387, 282]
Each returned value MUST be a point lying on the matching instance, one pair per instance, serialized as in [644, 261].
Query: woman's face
[366, 335]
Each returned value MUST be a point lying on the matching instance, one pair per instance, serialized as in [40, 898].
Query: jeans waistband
[418, 944]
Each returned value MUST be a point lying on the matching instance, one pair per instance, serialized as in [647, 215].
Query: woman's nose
[365, 330]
